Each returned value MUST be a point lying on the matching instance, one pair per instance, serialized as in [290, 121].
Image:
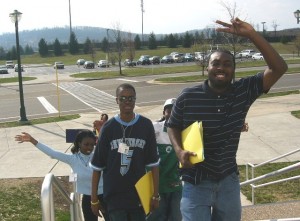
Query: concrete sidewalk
[273, 131]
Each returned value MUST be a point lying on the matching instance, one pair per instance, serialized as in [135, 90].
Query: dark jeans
[169, 208]
[127, 215]
[87, 211]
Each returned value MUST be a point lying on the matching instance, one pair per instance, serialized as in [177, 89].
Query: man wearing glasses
[126, 146]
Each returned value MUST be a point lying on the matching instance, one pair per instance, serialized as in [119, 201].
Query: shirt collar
[209, 91]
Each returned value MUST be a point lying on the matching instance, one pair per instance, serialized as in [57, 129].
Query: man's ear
[117, 100]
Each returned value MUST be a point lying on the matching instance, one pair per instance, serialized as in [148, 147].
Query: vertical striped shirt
[222, 116]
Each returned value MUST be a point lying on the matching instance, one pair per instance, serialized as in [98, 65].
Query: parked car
[200, 56]
[129, 63]
[80, 61]
[167, 59]
[178, 58]
[189, 57]
[89, 65]
[155, 60]
[103, 64]
[9, 64]
[3, 69]
[246, 53]
[58, 65]
[16, 68]
[143, 60]
[173, 53]
[257, 56]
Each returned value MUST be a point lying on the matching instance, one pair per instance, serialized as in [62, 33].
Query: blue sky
[160, 16]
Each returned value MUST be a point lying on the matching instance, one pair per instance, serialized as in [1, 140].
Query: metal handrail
[47, 199]
[270, 183]
[266, 162]
[274, 173]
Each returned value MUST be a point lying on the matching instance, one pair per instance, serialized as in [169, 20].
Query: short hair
[124, 86]
[222, 50]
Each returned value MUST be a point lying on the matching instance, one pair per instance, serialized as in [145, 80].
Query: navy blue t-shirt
[122, 171]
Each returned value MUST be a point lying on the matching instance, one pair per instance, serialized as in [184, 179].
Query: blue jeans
[212, 200]
[169, 208]
[127, 215]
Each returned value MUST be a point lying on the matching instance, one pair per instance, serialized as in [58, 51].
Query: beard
[219, 85]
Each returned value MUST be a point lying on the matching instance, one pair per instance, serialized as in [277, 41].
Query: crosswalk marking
[123, 79]
[47, 105]
[94, 98]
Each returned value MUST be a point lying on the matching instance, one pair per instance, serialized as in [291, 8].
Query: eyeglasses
[129, 98]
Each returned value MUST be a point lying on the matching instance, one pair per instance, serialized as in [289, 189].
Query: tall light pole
[70, 17]
[107, 50]
[15, 18]
[263, 23]
[297, 15]
[142, 8]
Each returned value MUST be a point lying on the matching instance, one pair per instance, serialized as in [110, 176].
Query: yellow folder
[192, 140]
[144, 188]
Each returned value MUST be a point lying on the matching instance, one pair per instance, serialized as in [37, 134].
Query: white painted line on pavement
[123, 79]
[47, 105]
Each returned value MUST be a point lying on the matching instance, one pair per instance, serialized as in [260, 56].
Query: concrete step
[282, 211]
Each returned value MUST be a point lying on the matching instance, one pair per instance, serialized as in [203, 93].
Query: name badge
[123, 148]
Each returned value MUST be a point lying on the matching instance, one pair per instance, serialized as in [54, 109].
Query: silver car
[58, 65]
[3, 69]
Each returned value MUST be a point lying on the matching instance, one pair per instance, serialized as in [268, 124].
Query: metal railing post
[47, 201]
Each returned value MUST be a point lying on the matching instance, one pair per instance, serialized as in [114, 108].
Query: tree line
[118, 42]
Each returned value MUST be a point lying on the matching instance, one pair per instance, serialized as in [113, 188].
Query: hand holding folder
[145, 190]
[192, 140]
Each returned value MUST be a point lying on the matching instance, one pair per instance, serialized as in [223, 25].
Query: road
[46, 99]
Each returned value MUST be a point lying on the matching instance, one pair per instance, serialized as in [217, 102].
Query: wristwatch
[157, 197]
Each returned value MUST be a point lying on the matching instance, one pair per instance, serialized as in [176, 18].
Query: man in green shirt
[169, 180]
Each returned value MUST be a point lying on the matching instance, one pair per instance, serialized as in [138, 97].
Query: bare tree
[93, 51]
[119, 45]
[233, 40]
[201, 46]
[257, 27]
[129, 47]
[275, 25]
[297, 44]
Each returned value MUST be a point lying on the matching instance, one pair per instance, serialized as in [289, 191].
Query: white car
[257, 56]
[103, 63]
[80, 61]
[246, 53]
[17, 68]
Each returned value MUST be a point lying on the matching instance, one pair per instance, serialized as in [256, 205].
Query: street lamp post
[142, 9]
[107, 50]
[263, 23]
[297, 15]
[70, 18]
[15, 18]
